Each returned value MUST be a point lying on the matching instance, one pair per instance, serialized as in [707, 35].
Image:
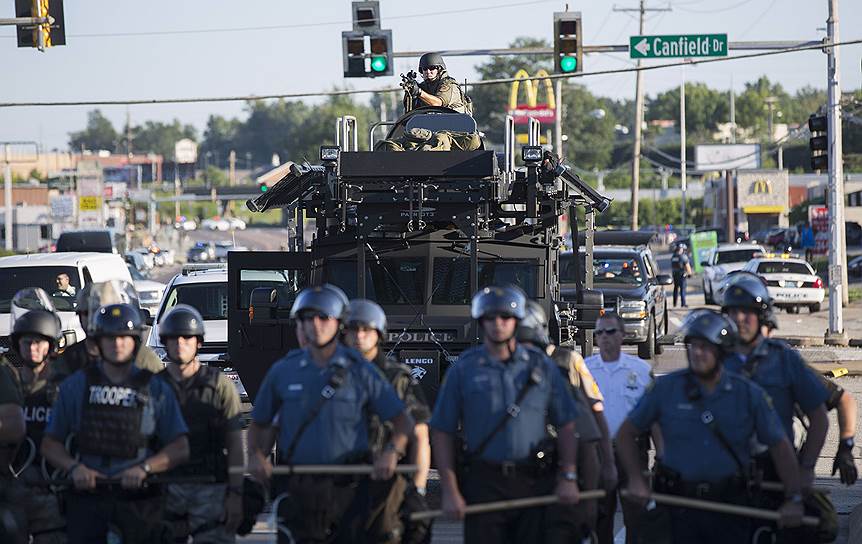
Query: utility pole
[732, 113]
[683, 182]
[639, 114]
[128, 133]
[558, 118]
[7, 193]
[837, 265]
[770, 106]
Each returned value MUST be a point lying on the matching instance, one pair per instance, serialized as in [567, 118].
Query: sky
[306, 56]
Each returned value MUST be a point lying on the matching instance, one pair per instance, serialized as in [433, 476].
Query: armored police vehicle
[418, 232]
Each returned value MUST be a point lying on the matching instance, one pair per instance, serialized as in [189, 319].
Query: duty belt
[667, 481]
[509, 469]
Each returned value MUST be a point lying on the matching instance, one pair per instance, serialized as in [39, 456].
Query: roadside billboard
[701, 244]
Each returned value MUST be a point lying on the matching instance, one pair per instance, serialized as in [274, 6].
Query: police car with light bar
[790, 280]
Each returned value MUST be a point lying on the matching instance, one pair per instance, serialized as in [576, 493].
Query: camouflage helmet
[431, 59]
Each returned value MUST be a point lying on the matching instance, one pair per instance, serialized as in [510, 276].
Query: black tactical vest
[206, 423]
[37, 410]
[111, 417]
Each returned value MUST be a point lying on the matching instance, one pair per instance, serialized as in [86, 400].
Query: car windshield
[452, 278]
[387, 281]
[48, 278]
[136, 274]
[210, 298]
[783, 267]
[607, 269]
[736, 256]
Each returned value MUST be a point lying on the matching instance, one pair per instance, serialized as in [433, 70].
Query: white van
[41, 270]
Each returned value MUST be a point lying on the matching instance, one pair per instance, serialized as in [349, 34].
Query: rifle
[408, 82]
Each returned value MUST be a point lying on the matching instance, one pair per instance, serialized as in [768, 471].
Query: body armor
[207, 426]
[111, 416]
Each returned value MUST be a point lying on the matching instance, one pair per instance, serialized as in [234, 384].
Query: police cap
[747, 290]
[325, 299]
[491, 301]
[116, 320]
[366, 313]
[431, 59]
[182, 320]
[534, 327]
[711, 326]
[37, 322]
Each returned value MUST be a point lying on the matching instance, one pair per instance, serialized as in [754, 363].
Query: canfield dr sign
[678, 45]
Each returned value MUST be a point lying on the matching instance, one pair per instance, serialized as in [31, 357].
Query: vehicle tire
[813, 308]
[646, 349]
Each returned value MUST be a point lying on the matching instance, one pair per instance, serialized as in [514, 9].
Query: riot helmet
[116, 320]
[40, 323]
[366, 313]
[324, 299]
[432, 59]
[491, 301]
[747, 290]
[31, 298]
[712, 327]
[770, 320]
[182, 320]
[533, 327]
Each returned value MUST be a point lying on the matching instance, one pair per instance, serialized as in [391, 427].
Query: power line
[345, 92]
[292, 26]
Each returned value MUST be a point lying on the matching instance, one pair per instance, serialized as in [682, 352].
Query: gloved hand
[844, 464]
[411, 87]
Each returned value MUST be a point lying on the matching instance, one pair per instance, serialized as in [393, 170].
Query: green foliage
[157, 137]
[99, 134]
[704, 108]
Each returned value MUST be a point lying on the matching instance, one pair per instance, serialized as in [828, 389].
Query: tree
[99, 134]
[704, 109]
[159, 138]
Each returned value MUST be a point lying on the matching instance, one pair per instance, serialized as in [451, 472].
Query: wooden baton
[326, 469]
[722, 507]
[496, 506]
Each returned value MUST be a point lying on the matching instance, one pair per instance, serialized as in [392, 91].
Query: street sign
[89, 203]
[678, 45]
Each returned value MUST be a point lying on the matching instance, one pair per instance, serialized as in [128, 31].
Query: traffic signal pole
[837, 259]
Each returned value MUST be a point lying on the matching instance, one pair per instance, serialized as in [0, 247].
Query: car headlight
[150, 296]
[633, 309]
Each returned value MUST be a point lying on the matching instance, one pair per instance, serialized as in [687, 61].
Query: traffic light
[367, 49]
[568, 49]
[44, 35]
[818, 144]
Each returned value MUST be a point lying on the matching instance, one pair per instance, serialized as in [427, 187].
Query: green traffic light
[568, 64]
[378, 64]
[263, 188]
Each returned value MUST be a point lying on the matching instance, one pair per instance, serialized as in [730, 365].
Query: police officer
[35, 335]
[321, 395]
[776, 367]
[118, 415]
[622, 378]
[845, 408]
[681, 270]
[211, 408]
[708, 417]
[82, 353]
[364, 330]
[567, 523]
[500, 393]
[437, 87]
[13, 519]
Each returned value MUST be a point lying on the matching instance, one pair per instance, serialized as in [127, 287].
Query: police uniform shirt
[161, 418]
[740, 407]
[291, 389]
[622, 384]
[478, 389]
[782, 372]
[678, 263]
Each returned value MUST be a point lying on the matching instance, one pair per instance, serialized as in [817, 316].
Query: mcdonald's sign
[761, 186]
[543, 112]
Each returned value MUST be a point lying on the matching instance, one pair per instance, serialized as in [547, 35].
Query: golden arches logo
[761, 187]
[532, 87]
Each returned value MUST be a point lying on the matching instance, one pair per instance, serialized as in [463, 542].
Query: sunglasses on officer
[429, 68]
[310, 316]
[609, 332]
[493, 317]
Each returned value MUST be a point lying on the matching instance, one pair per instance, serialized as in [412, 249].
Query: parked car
[149, 291]
[185, 224]
[854, 266]
[723, 260]
[201, 252]
[149, 258]
[222, 249]
[236, 223]
[216, 223]
[791, 282]
[626, 273]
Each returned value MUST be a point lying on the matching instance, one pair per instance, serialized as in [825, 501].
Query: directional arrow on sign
[642, 47]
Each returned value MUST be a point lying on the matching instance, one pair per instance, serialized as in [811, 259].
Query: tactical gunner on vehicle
[211, 408]
[438, 88]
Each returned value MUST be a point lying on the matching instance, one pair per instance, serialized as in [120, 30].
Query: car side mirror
[664, 279]
[704, 263]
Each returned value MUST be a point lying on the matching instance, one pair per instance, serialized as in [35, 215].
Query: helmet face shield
[109, 293]
[25, 300]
